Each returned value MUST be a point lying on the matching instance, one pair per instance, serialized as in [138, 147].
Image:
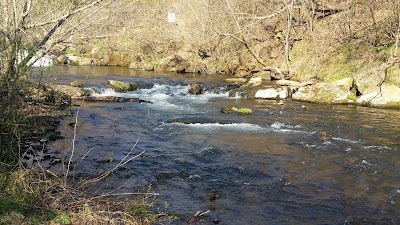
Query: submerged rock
[196, 89]
[231, 109]
[242, 111]
[325, 136]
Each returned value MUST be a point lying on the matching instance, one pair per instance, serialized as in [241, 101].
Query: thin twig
[73, 146]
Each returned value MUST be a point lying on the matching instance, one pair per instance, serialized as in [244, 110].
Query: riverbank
[32, 191]
[322, 43]
[263, 85]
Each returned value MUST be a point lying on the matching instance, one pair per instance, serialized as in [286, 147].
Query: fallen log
[110, 99]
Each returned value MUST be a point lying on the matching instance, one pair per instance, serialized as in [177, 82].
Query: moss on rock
[244, 111]
[120, 86]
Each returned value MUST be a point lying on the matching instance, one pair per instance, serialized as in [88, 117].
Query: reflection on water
[272, 167]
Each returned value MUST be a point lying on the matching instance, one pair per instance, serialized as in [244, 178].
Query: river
[287, 163]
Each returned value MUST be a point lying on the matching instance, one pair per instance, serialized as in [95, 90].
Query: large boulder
[71, 91]
[255, 81]
[273, 93]
[54, 95]
[120, 86]
[386, 96]
[337, 92]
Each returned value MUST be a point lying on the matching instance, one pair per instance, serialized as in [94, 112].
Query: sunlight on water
[284, 164]
[218, 126]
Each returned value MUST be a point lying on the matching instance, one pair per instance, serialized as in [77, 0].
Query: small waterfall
[38, 60]
[44, 61]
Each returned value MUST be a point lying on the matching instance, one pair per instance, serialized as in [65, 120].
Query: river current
[287, 163]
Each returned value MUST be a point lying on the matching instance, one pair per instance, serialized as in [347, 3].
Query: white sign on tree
[171, 17]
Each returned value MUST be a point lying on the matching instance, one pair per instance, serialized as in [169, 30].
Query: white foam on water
[375, 147]
[282, 127]
[44, 61]
[39, 59]
[165, 97]
[345, 140]
[229, 126]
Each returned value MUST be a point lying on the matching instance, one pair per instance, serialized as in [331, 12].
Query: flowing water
[287, 163]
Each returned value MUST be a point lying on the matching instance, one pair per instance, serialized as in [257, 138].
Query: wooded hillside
[304, 39]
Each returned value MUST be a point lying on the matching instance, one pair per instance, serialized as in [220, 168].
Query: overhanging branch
[66, 16]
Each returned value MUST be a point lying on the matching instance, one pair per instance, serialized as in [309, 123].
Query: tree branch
[55, 27]
[66, 16]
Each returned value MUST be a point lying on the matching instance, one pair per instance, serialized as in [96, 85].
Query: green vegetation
[244, 111]
[352, 97]
[393, 75]
[63, 219]
[120, 86]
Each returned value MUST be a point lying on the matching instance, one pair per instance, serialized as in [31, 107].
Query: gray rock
[71, 91]
[273, 93]
[332, 92]
[387, 96]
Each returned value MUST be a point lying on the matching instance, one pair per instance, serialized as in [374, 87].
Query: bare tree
[28, 30]
[28, 26]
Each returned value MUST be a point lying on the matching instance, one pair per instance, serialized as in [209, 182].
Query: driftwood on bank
[110, 99]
